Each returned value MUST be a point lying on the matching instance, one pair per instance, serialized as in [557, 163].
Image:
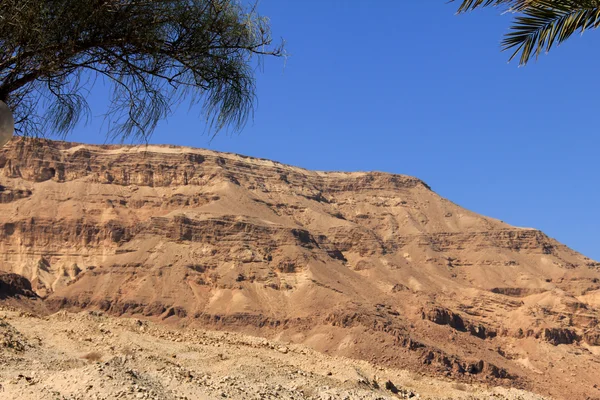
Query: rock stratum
[370, 266]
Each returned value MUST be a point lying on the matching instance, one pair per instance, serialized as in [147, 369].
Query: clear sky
[409, 87]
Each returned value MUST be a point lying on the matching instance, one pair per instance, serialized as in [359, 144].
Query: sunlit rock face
[367, 265]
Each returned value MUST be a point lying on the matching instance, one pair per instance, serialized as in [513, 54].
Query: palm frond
[541, 24]
[545, 23]
[470, 5]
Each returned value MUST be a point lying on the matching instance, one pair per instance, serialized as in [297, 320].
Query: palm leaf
[546, 23]
[470, 5]
[541, 24]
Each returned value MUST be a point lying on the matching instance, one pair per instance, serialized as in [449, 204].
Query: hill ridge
[373, 266]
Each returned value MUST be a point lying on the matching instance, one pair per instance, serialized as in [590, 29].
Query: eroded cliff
[367, 265]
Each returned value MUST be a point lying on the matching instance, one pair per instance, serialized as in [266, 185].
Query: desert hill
[371, 266]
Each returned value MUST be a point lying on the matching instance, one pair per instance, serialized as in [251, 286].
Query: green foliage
[541, 24]
[154, 54]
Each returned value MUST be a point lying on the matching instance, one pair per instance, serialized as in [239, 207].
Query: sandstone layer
[370, 266]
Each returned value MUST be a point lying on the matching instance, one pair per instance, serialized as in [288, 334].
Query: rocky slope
[371, 266]
[90, 355]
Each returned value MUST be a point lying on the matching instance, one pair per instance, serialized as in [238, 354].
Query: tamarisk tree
[153, 54]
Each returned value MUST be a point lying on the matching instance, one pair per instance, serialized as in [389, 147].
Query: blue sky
[409, 87]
